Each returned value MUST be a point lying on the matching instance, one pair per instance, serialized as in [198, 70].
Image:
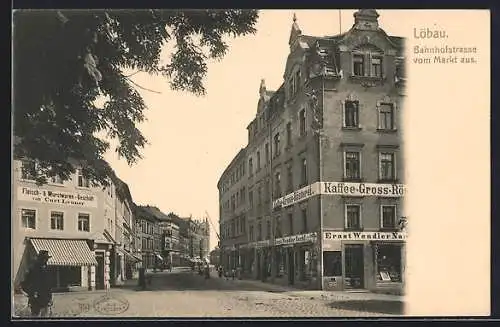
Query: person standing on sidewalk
[37, 286]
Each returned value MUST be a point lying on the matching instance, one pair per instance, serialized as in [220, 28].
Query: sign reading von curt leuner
[56, 197]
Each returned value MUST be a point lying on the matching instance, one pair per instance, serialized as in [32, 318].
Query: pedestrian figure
[37, 286]
[233, 273]
[220, 271]
[207, 271]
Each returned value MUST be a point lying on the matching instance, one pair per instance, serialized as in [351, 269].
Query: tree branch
[146, 89]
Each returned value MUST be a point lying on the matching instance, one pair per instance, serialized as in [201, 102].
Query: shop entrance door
[99, 271]
[291, 267]
[354, 267]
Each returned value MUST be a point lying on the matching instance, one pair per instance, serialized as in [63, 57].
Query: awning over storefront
[159, 256]
[65, 252]
[129, 255]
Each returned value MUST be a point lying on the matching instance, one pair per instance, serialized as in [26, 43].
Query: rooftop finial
[294, 17]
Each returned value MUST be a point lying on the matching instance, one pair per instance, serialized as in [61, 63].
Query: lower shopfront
[296, 261]
[374, 261]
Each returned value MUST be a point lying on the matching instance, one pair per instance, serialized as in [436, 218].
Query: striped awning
[65, 252]
[129, 255]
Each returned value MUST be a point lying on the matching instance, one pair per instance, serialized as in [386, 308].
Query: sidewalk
[316, 294]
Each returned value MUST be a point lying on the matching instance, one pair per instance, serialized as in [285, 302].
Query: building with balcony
[325, 169]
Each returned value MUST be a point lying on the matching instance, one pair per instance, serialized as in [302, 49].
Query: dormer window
[367, 61]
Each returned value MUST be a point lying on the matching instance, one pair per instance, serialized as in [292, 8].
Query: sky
[192, 139]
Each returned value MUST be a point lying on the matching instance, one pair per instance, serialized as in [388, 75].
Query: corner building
[325, 165]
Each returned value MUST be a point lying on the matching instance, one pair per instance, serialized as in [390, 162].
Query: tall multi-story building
[76, 222]
[324, 157]
[149, 237]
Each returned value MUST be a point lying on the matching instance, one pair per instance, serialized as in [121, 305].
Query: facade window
[268, 230]
[304, 220]
[243, 224]
[288, 135]
[250, 167]
[28, 170]
[56, 180]
[267, 152]
[259, 231]
[84, 222]
[259, 196]
[302, 122]
[251, 233]
[388, 263]
[353, 216]
[303, 168]
[278, 227]
[290, 223]
[82, 181]
[57, 220]
[28, 217]
[289, 177]
[352, 165]
[266, 191]
[388, 213]
[358, 65]
[250, 198]
[387, 166]
[386, 116]
[258, 160]
[277, 144]
[351, 114]
[376, 63]
[296, 81]
[277, 183]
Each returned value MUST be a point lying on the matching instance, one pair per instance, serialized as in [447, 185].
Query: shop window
[386, 117]
[28, 217]
[278, 227]
[84, 222]
[388, 263]
[57, 220]
[388, 216]
[332, 263]
[277, 182]
[351, 114]
[353, 216]
[251, 233]
[268, 230]
[290, 223]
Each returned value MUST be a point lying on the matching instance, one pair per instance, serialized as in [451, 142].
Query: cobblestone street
[187, 294]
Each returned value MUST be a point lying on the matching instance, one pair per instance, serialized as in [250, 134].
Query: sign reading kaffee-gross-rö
[341, 188]
[56, 197]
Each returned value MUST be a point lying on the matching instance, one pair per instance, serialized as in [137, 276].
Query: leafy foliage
[65, 60]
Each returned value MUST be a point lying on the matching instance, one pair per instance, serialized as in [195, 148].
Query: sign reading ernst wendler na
[56, 197]
[365, 236]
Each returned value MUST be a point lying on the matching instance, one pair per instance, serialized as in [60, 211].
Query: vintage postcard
[250, 163]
